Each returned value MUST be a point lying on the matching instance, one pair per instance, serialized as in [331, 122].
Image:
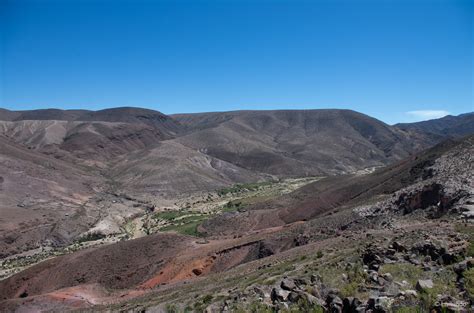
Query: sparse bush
[469, 281]
[409, 309]
[258, 307]
[403, 271]
[91, 237]
[171, 308]
[207, 299]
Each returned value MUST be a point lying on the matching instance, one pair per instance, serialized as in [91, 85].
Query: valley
[128, 209]
[183, 217]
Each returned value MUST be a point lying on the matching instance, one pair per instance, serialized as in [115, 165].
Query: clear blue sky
[382, 58]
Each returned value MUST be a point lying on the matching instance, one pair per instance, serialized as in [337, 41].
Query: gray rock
[279, 295]
[424, 284]
[294, 297]
[334, 303]
[288, 284]
[411, 293]
[315, 278]
[387, 277]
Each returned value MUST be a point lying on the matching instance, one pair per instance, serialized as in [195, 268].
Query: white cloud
[427, 114]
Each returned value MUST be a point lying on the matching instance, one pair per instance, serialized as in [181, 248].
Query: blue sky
[398, 61]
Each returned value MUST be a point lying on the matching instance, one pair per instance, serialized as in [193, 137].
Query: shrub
[91, 237]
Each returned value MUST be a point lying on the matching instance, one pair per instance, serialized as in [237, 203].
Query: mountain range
[137, 202]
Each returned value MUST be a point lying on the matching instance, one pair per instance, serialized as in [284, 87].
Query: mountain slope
[454, 126]
[296, 143]
[38, 197]
[89, 137]
[321, 197]
[173, 170]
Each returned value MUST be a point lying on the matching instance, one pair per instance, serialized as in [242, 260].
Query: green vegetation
[469, 231]
[93, 236]
[469, 281]
[409, 309]
[171, 308]
[303, 306]
[232, 206]
[356, 278]
[184, 222]
[187, 226]
[202, 303]
[169, 215]
[238, 188]
[403, 271]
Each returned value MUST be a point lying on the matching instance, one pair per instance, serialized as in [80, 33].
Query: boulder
[279, 295]
[288, 284]
[334, 303]
[350, 304]
[411, 293]
[423, 284]
[294, 297]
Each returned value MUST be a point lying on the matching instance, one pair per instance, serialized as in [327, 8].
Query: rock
[315, 301]
[261, 292]
[448, 258]
[300, 282]
[382, 304]
[350, 304]
[374, 276]
[279, 295]
[379, 304]
[411, 293]
[315, 278]
[294, 297]
[288, 284]
[423, 284]
[371, 303]
[374, 266]
[450, 307]
[334, 303]
[460, 267]
[213, 308]
[387, 277]
[315, 292]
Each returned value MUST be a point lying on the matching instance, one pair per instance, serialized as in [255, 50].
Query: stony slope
[41, 199]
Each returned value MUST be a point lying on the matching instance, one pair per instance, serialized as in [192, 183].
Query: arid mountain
[319, 198]
[41, 199]
[157, 159]
[89, 137]
[452, 126]
[237, 147]
[381, 220]
[283, 143]
[297, 143]
[43, 114]
[171, 169]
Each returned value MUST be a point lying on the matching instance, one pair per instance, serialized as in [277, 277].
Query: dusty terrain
[130, 209]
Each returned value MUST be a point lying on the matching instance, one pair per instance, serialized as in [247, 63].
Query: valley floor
[183, 216]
